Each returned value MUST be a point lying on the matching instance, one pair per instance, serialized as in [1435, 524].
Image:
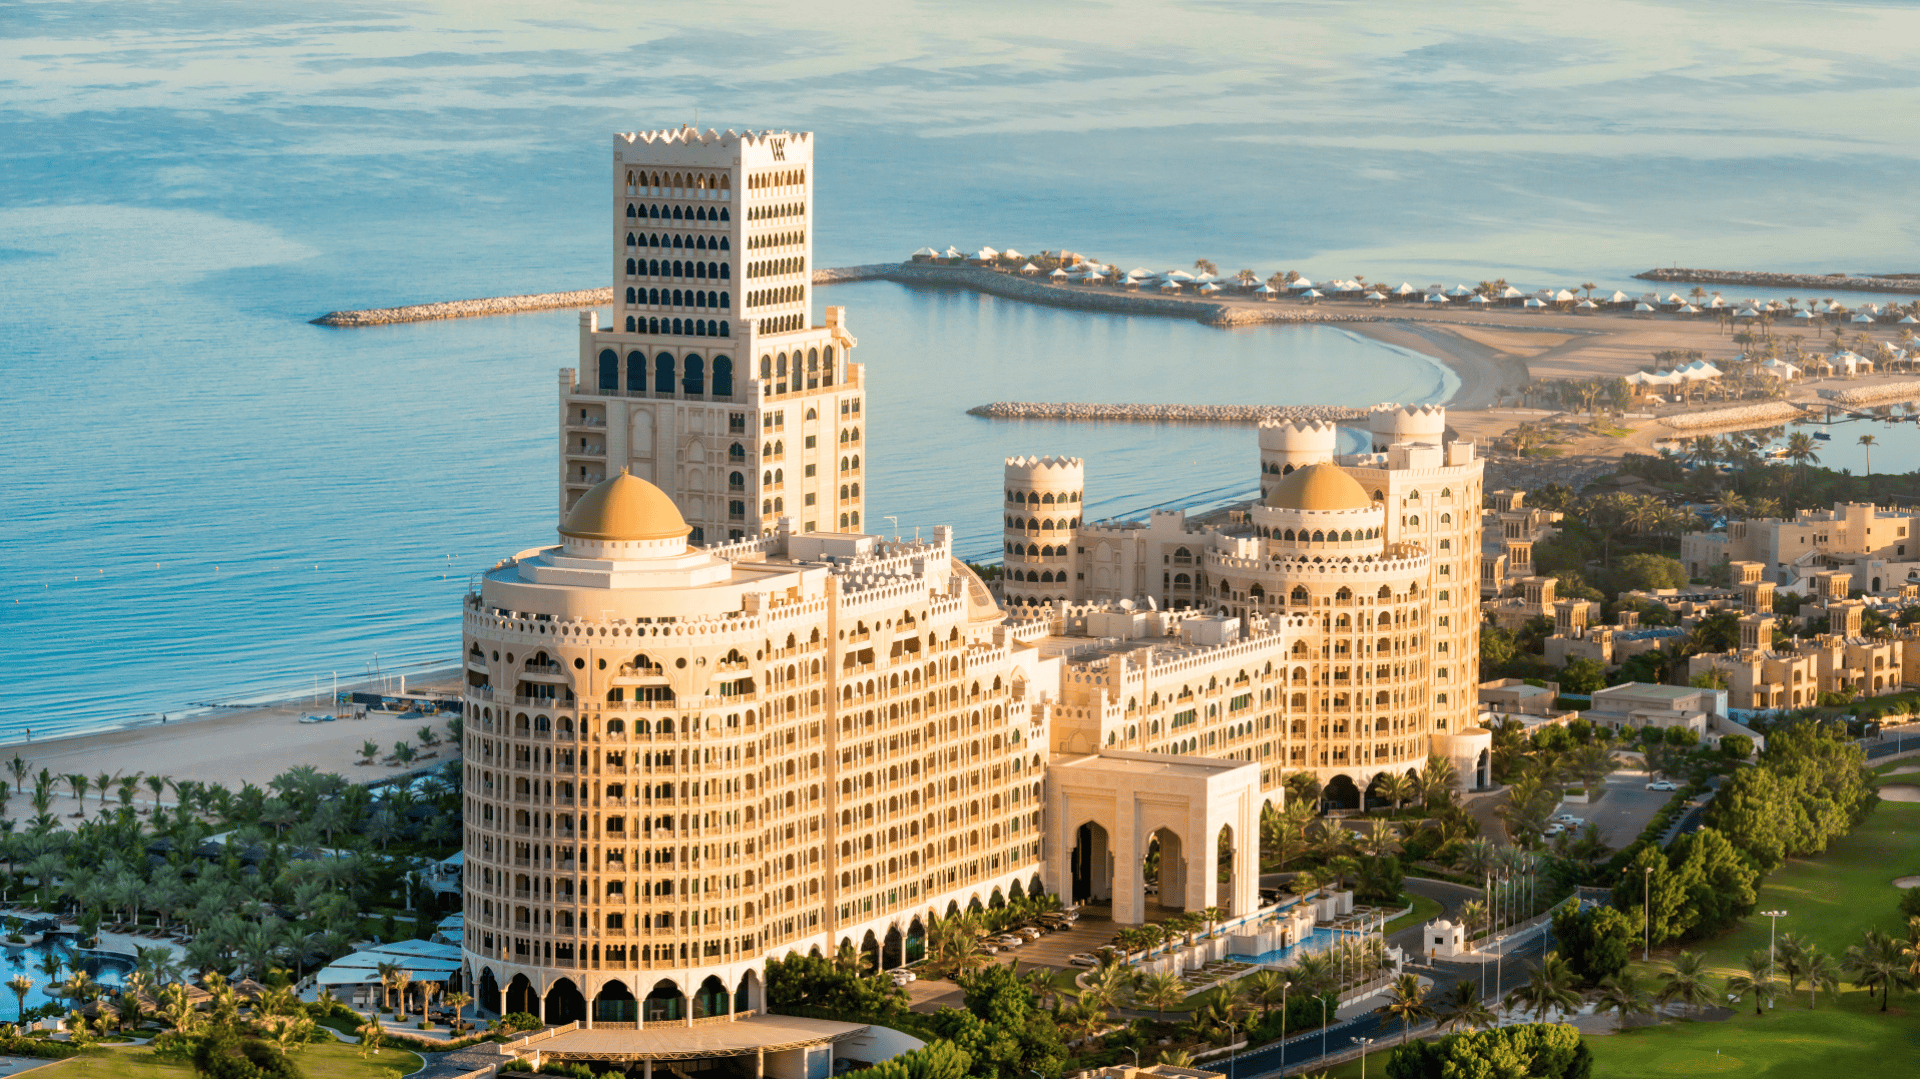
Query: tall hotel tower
[713, 383]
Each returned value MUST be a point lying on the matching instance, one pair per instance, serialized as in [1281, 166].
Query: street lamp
[1285, 985]
[1362, 1044]
[1232, 1052]
[1773, 924]
[1646, 909]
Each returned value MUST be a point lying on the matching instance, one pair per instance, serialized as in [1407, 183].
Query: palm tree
[1407, 999]
[1624, 995]
[1756, 980]
[20, 985]
[1461, 1006]
[1876, 962]
[1823, 973]
[1549, 986]
[1869, 442]
[1687, 983]
[1161, 991]
[369, 750]
[79, 784]
[370, 1033]
[1266, 987]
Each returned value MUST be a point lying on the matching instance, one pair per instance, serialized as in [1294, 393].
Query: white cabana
[1029, 269]
[1804, 315]
[1511, 293]
[1563, 296]
[953, 253]
[1535, 303]
[1909, 321]
[1169, 286]
[926, 253]
[1209, 287]
[986, 253]
[1436, 298]
[1863, 318]
[1481, 300]
[1266, 292]
[1587, 305]
[1689, 309]
[1207, 278]
[1178, 275]
[1780, 369]
[1380, 298]
[1061, 275]
[1140, 272]
[1012, 254]
[1850, 362]
[1300, 284]
[1746, 313]
[1643, 307]
[1459, 291]
[1619, 297]
[1405, 290]
[1312, 294]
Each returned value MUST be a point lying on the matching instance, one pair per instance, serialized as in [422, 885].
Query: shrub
[520, 1021]
[1519, 1050]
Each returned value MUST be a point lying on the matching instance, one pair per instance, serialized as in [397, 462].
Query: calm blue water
[25, 960]
[204, 498]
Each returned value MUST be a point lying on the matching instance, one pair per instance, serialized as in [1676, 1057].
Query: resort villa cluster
[718, 722]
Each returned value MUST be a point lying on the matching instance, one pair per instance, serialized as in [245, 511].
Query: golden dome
[1324, 486]
[625, 508]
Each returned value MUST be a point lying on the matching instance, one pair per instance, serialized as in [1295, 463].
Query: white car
[1569, 820]
[1554, 829]
[901, 976]
[1081, 959]
[1031, 933]
[1661, 785]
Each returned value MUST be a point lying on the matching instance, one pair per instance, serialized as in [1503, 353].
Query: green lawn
[318, 1059]
[1845, 1038]
[1425, 909]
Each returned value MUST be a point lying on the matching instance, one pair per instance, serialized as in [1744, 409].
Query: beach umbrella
[1436, 298]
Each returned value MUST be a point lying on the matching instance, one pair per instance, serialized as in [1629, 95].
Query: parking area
[1624, 811]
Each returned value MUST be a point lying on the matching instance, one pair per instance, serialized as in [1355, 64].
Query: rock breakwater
[468, 309]
[1763, 414]
[1192, 414]
[1906, 390]
[1765, 279]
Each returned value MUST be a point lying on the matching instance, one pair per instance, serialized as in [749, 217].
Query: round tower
[1406, 424]
[1042, 510]
[1286, 445]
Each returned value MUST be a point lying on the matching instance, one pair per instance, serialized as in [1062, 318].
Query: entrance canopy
[1107, 808]
[430, 961]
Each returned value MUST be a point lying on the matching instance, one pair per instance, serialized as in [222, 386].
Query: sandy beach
[233, 747]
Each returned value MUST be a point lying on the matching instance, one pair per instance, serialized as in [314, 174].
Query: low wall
[468, 309]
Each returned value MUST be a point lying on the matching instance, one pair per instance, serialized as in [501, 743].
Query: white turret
[1286, 445]
[1407, 424]
[1042, 510]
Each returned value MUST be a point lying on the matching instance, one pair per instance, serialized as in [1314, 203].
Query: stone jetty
[1763, 279]
[468, 309]
[1905, 390]
[979, 279]
[1765, 414]
[1194, 414]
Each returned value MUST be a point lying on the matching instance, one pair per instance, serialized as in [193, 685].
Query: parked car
[1662, 785]
[1554, 829]
[1569, 820]
[988, 947]
[1081, 959]
[901, 976]
[1031, 933]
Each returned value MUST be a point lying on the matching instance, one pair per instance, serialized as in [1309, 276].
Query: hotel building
[686, 754]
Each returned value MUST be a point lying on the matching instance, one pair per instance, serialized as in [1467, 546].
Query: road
[1301, 1051]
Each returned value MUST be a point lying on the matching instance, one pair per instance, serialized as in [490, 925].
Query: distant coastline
[1202, 414]
[1767, 279]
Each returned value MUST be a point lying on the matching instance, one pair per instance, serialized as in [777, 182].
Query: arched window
[630, 269]
[726, 300]
[695, 380]
[631, 323]
[766, 367]
[723, 373]
[725, 330]
[609, 370]
[1289, 535]
[826, 366]
[663, 373]
[637, 371]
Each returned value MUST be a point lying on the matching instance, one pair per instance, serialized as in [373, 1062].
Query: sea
[206, 500]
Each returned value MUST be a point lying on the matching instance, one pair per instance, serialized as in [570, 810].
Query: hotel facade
[695, 742]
